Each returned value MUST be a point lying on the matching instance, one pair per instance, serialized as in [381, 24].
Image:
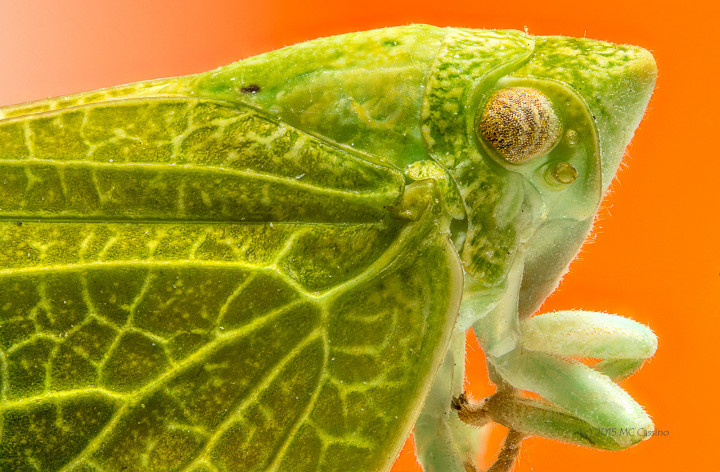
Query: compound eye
[520, 124]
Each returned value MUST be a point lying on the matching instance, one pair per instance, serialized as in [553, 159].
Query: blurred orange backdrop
[655, 254]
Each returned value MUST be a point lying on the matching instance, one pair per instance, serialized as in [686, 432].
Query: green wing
[186, 285]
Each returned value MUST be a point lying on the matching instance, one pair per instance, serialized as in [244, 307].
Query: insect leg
[444, 442]
[585, 394]
[479, 414]
[622, 343]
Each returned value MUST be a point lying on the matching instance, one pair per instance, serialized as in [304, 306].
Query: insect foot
[474, 414]
[479, 414]
[469, 466]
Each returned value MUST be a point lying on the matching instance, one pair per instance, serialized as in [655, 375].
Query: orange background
[655, 256]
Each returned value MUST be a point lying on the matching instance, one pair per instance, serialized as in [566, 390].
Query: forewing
[181, 159]
[190, 286]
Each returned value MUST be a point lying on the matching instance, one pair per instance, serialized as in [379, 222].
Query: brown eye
[520, 124]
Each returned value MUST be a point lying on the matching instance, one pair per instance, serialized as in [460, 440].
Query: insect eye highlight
[520, 123]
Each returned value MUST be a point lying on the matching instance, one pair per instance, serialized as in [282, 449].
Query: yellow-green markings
[179, 158]
[260, 268]
[176, 358]
[194, 286]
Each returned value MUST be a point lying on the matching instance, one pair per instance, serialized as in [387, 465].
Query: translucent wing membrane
[190, 286]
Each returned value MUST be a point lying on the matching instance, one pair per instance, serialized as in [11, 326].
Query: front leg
[443, 442]
[481, 413]
[621, 343]
[587, 408]
[582, 405]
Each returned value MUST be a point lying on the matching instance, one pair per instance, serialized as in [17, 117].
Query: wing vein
[205, 169]
[251, 398]
[282, 450]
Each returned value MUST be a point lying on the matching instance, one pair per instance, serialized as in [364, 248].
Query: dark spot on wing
[252, 88]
